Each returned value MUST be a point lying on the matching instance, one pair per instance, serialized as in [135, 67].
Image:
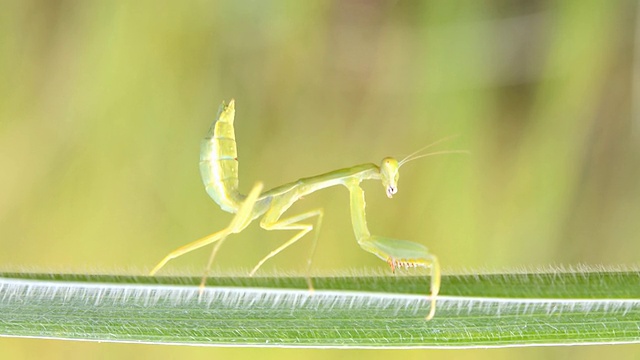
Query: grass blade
[362, 312]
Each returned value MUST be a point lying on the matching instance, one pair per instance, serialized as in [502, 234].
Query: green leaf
[353, 311]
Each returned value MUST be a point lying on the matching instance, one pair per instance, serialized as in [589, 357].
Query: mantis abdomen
[219, 161]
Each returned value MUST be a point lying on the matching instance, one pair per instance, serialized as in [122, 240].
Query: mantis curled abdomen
[219, 162]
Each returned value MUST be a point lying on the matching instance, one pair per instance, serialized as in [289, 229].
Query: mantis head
[389, 168]
[389, 175]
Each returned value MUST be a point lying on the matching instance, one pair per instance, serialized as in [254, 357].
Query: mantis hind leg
[292, 223]
[242, 218]
[397, 253]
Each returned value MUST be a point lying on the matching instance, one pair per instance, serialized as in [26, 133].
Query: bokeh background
[103, 105]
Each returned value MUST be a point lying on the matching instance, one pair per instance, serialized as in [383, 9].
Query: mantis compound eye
[391, 190]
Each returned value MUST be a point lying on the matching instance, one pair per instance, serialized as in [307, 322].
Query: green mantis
[219, 170]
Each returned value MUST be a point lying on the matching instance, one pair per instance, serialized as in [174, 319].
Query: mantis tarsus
[219, 170]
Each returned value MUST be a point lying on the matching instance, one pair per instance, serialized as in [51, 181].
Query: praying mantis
[219, 171]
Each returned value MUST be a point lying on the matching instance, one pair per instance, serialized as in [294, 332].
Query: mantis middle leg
[272, 221]
[397, 253]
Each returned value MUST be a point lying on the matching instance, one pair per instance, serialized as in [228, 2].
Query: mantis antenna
[416, 154]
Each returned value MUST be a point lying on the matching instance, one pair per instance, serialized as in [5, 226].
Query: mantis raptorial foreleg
[240, 221]
[397, 253]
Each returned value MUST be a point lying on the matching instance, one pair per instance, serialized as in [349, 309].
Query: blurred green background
[103, 105]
